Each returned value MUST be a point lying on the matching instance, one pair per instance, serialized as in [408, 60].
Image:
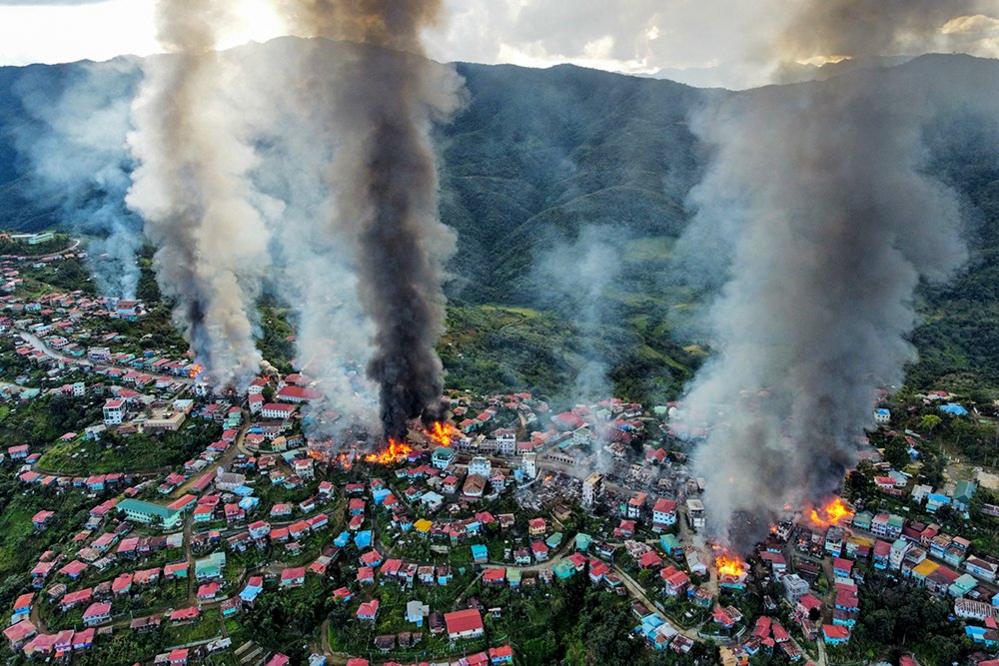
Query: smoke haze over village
[554, 314]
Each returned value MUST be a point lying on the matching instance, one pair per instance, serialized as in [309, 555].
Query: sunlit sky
[709, 42]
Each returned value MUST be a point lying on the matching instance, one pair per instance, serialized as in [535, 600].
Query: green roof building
[896, 523]
[963, 585]
[210, 567]
[140, 511]
[670, 544]
[863, 520]
[564, 569]
[442, 457]
[964, 491]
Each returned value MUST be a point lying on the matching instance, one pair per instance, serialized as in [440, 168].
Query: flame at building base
[396, 451]
[443, 433]
[729, 564]
[833, 512]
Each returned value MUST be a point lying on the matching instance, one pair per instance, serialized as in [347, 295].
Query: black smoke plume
[385, 185]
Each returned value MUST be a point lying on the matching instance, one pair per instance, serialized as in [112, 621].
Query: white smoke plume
[311, 267]
[75, 148]
[191, 187]
[833, 221]
[579, 274]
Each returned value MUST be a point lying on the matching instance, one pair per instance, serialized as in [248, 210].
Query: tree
[897, 453]
[929, 422]
[859, 484]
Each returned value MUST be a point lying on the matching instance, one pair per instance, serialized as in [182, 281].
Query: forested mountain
[581, 174]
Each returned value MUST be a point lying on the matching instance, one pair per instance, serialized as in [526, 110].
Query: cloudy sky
[706, 42]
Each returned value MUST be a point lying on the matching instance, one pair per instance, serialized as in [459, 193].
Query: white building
[432, 500]
[506, 441]
[277, 410]
[897, 554]
[529, 463]
[99, 354]
[114, 411]
[593, 487]
[695, 513]
[795, 587]
[79, 390]
[974, 610]
[481, 466]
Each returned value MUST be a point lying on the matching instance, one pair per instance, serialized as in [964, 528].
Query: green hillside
[537, 158]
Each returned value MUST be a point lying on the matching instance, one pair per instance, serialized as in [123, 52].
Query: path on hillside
[226, 458]
[35, 257]
[35, 342]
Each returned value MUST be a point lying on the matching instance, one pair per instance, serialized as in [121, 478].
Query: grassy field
[133, 453]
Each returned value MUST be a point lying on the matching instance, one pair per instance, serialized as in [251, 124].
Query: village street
[38, 257]
[223, 462]
[35, 342]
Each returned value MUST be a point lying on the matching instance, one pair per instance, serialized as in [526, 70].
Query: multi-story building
[114, 411]
[695, 513]
[480, 465]
[593, 488]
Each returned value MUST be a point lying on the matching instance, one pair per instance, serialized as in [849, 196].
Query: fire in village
[321, 343]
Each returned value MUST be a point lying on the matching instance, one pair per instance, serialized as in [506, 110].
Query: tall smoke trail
[192, 190]
[384, 181]
[75, 147]
[835, 223]
[578, 275]
[311, 268]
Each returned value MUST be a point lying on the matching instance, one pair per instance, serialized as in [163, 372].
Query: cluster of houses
[69, 325]
[944, 564]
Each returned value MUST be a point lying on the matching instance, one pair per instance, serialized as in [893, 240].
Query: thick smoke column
[75, 146]
[311, 269]
[385, 188]
[835, 223]
[191, 189]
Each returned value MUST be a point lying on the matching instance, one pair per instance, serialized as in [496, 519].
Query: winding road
[37, 343]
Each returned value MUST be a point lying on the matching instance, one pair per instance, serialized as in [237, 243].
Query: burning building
[384, 181]
[818, 193]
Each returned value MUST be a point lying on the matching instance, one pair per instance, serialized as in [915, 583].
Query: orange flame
[729, 564]
[834, 512]
[396, 452]
[195, 370]
[345, 461]
[444, 433]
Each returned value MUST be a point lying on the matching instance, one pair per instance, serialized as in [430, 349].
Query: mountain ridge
[540, 155]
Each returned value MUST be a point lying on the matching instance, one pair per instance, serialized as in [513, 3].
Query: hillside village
[238, 524]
